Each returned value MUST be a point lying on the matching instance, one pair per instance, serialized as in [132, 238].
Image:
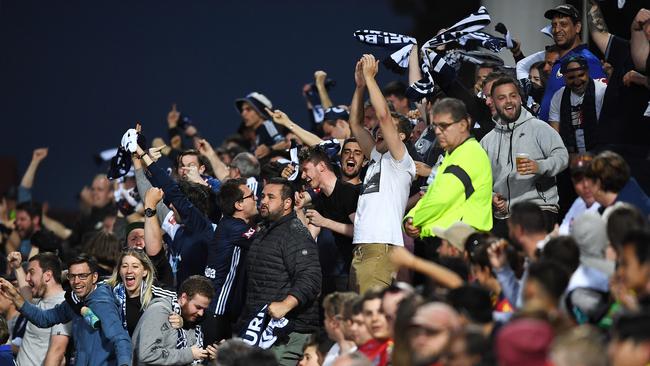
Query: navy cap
[258, 101]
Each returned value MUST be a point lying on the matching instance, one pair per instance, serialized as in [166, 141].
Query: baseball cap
[257, 100]
[580, 60]
[580, 164]
[456, 234]
[564, 9]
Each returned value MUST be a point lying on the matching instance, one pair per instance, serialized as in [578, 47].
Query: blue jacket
[556, 79]
[633, 194]
[193, 238]
[110, 345]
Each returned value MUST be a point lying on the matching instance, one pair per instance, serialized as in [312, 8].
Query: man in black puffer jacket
[283, 272]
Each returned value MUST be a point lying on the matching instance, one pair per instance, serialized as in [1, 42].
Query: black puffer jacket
[283, 260]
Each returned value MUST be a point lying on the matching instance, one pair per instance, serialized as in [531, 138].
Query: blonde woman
[133, 286]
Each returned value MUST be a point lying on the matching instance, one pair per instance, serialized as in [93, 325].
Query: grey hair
[247, 164]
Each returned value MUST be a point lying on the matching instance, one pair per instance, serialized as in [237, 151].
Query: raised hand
[39, 154]
[497, 254]
[173, 117]
[14, 259]
[358, 74]
[287, 171]
[153, 196]
[320, 77]
[279, 117]
[156, 152]
[205, 148]
[192, 174]
[370, 66]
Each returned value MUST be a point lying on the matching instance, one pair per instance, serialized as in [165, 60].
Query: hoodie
[543, 144]
[155, 341]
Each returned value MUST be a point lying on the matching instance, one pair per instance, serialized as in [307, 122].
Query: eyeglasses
[245, 197]
[81, 276]
[444, 126]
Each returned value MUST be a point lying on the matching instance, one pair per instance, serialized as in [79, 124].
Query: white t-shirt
[383, 198]
[37, 340]
[577, 208]
[576, 103]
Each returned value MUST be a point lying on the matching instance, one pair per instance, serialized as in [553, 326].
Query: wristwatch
[149, 212]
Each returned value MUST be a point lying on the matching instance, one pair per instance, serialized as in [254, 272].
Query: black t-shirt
[164, 273]
[621, 118]
[338, 207]
[132, 313]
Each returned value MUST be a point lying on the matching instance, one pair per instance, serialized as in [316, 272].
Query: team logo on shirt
[249, 234]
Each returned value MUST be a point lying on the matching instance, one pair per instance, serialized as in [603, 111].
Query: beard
[503, 117]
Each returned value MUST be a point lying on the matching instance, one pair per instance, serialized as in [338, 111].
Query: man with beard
[29, 227]
[335, 206]
[566, 28]
[283, 272]
[156, 342]
[575, 108]
[42, 283]
[352, 161]
[526, 154]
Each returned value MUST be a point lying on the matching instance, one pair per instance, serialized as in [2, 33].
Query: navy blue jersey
[196, 234]
[225, 265]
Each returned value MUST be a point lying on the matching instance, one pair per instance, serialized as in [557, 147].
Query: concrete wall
[524, 19]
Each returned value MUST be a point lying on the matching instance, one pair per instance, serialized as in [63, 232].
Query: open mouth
[129, 281]
[350, 163]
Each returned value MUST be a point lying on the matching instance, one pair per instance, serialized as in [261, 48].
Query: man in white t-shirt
[586, 200]
[42, 346]
[575, 108]
[385, 189]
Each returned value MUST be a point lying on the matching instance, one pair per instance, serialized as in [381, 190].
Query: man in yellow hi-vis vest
[461, 189]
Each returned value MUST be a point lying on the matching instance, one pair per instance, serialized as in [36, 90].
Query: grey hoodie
[154, 339]
[544, 145]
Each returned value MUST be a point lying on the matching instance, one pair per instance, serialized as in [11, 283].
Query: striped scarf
[181, 341]
[474, 22]
[399, 45]
[485, 40]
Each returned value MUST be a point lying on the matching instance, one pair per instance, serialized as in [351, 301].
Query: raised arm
[388, 128]
[15, 259]
[219, 167]
[27, 182]
[282, 119]
[363, 136]
[153, 242]
[597, 27]
[639, 39]
[143, 185]
[320, 77]
[415, 74]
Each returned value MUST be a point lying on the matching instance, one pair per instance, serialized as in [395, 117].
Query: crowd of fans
[499, 223]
